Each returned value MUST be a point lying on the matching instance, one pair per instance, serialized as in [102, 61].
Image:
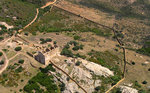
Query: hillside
[131, 17]
[74, 46]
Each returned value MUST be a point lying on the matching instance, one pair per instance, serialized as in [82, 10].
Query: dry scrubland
[76, 45]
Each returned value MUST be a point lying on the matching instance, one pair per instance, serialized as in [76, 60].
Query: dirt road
[49, 3]
[36, 16]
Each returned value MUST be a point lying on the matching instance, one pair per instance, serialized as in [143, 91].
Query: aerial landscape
[74, 46]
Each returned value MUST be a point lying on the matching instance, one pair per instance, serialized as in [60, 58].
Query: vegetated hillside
[16, 12]
[124, 8]
[38, 2]
[19, 12]
[132, 19]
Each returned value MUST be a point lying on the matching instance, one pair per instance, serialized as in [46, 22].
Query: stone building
[40, 58]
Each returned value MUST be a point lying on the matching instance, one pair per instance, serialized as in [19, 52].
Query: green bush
[55, 42]
[1, 62]
[144, 82]
[67, 52]
[81, 56]
[18, 48]
[41, 79]
[78, 63]
[41, 39]
[1, 38]
[5, 50]
[48, 40]
[48, 68]
[26, 33]
[145, 51]
[137, 85]
[76, 37]
[1, 53]
[76, 48]
[19, 69]
[21, 61]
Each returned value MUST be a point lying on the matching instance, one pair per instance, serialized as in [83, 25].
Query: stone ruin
[40, 58]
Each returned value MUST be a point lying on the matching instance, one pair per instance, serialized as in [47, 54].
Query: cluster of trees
[42, 79]
[45, 40]
[4, 30]
[19, 69]
[65, 51]
[145, 51]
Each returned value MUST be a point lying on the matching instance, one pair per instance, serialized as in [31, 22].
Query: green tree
[1, 53]
[18, 48]
[21, 61]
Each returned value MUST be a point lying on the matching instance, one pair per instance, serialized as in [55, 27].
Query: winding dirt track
[36, 16]
[37, 13]
[49, 3]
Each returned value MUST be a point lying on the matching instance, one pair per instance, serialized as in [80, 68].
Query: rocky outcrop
[125, 89]
[6, 25]
[83, 74]
[97, 69]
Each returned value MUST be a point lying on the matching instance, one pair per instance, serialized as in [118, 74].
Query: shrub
[62, 86]
[5, 50]
[81, 56]
[55, 42]
[145, 51]
[48, 40]
[19, 69]
[144, 82]
[142, 91]
[76, 48]
[67, 46]
[74, 42]
[26, 33]
[78, 63]
[1, 62]
[21, 61]
[1, 53]
[49, 67]
[81, 47]
[18, 48]
[1, 38]
[76, 37]
[133, 63]
[136, 84]
[97, 88]
[67, 52]
[41, 39]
